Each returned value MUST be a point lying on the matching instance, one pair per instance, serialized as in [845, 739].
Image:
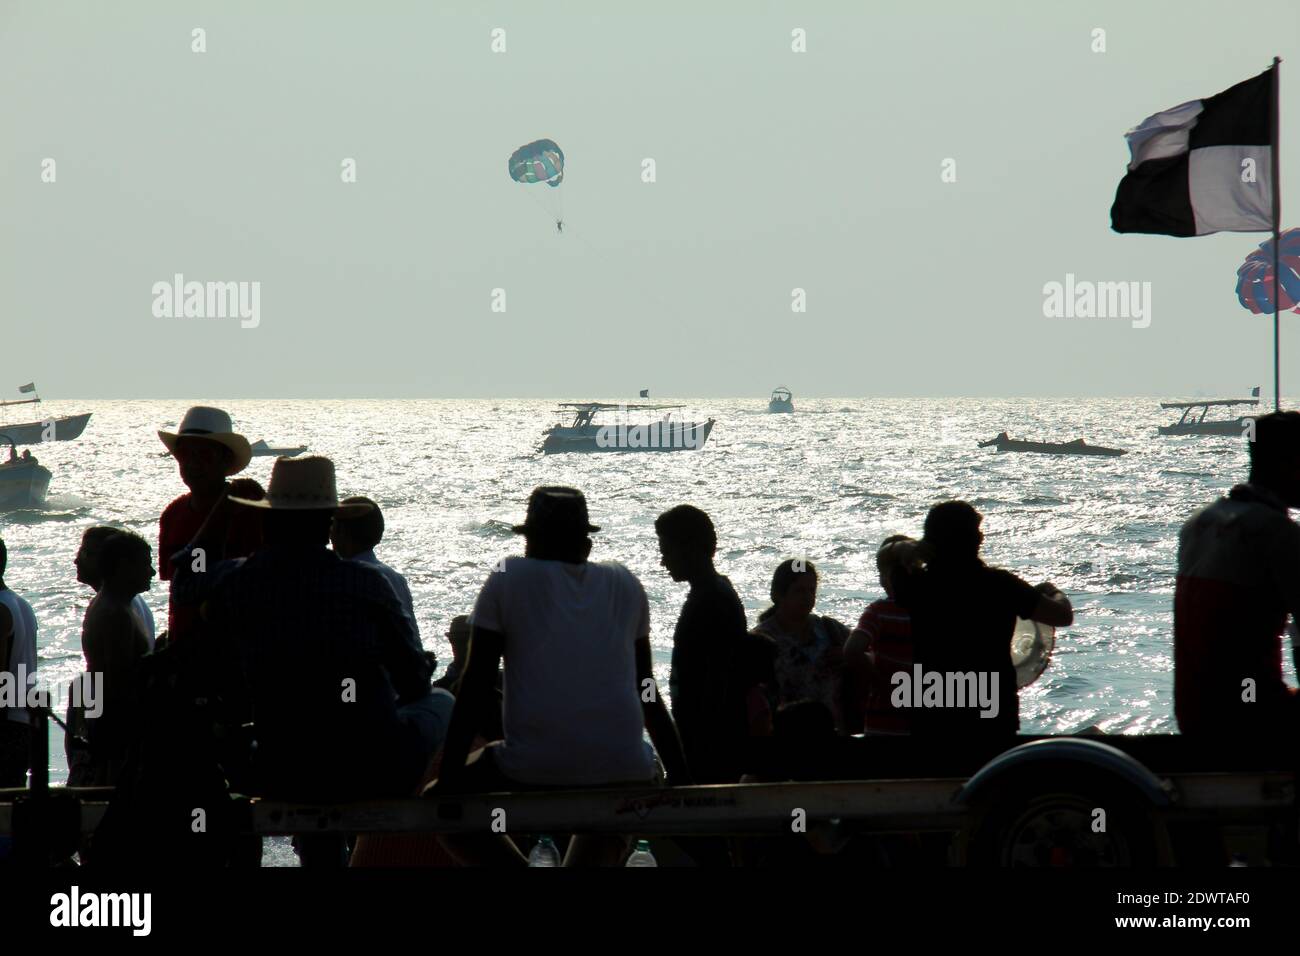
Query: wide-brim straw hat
[303, 484]
[212, 424]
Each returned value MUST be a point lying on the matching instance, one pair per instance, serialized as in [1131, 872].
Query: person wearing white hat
[337, 680]
[207, 451]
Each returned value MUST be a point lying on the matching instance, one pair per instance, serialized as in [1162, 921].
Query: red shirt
[179, 523]
[888, 629]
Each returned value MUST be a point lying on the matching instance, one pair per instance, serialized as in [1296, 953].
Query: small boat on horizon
[33, 433]
[1077, 447]
[261, 450]
[584, 435]
[781, 400]
[1192, 424]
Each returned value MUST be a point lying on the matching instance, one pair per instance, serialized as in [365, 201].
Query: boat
[582, 434]
[1077, 447]
[261, 449]
[1192, 424]
[53, 429]
[24, 482]
[781, 400]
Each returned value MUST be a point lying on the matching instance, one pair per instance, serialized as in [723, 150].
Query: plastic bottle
[641, 856]
[544, 853]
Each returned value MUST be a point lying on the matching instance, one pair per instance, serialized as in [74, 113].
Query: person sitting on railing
[579, 682]
[355, 539]
[337, 680]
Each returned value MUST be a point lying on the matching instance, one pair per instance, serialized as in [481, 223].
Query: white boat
[1193, 424]
[261, 449]
[584, 435]
[33, 433]
[24, 482]
[781, 400]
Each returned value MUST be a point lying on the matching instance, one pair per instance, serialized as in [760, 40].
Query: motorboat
[583, 434]
[50, 429]
[781, 400]
[261, 449]
[1077, 447]
[1193, 424]
[24, 482]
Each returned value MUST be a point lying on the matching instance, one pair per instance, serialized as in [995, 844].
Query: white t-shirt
[23, 653]
[572, 711]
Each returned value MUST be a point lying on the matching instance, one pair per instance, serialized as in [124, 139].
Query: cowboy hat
[212, 424]
[554, 509]
[303, 484]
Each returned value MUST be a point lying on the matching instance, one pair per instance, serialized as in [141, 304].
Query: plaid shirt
[327, 652]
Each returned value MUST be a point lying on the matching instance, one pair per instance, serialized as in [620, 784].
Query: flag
[1254, 392]
[1201, 167]
[645, 393]
[29, 387]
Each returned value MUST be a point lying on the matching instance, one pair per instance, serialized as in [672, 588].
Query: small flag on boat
[1254, 392]
[1202, 167]
[29, 387]
[645, 393]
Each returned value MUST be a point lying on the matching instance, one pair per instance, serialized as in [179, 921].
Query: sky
[774, 170]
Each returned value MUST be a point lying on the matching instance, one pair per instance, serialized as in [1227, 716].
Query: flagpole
[1275, 155]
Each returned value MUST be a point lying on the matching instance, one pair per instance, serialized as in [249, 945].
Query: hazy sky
[775, 170]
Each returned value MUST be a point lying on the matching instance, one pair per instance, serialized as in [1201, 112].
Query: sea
[827, 484]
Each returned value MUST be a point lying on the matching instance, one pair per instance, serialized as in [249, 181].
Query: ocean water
[827, 483]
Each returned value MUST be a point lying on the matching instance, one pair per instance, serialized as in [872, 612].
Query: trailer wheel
[1045, 815]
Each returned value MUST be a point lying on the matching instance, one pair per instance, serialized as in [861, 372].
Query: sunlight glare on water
[827, 483]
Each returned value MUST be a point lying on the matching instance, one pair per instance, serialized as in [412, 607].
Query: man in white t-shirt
[17, 659]
[579, 684]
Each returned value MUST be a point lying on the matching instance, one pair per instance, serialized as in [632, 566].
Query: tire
[1044, 816]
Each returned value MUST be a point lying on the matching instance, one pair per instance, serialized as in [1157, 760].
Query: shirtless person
[113, 639]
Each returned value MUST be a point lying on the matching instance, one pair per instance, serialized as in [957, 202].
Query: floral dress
[807, 666]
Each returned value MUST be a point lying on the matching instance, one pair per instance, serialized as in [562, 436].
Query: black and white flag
[1201, 167]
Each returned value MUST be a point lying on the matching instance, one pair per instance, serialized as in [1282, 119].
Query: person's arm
[477, 691]
[1053, 607]
[190, 586]
[408, 666]
[212, 535]
[166, 546]
[859, 643]
[663, 732]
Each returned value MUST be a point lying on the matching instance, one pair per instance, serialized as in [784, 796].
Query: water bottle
[641, 856]
[544, 853]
